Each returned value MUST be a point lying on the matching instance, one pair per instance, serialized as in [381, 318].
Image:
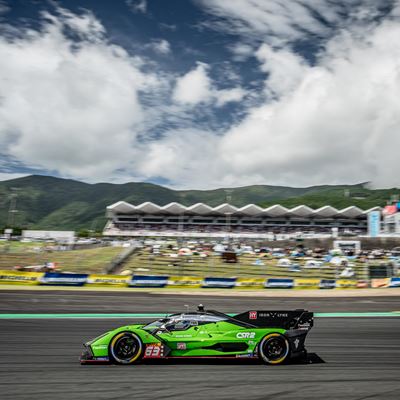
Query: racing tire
[126, 348]
[273, 349]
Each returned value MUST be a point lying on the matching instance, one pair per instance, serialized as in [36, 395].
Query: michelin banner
[249, 283]
[279, 283]
[145, 281]
[346, 284]
[193, 282]
[307, 283]
[19, 277]
[219, 283]
[63, 279]
[108, 280]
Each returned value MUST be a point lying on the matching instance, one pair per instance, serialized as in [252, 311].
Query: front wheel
[273, 349]
[126, 348]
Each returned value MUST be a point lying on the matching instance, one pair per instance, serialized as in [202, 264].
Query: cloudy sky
[201, 93]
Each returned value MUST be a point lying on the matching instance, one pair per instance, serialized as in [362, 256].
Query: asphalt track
[354, 358]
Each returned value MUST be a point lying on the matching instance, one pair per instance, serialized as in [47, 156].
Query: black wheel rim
[125, 348]
[274, 348]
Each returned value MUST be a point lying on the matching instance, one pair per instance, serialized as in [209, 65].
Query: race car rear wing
[298, 319]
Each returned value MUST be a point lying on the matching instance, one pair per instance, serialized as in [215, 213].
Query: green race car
[271, 336]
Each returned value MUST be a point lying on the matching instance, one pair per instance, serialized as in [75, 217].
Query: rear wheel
[273, 349]
[126, 348]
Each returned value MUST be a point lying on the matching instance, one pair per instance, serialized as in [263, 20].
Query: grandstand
[250, 221]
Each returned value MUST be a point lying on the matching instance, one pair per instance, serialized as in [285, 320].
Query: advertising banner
[380, 283]
[63, 279]
[249, 283]
[374, 223]
[394, 282]
[185, 281]
[221, 283]
[346, 284]
[279, 283]
[146, 281]
[362, 284]
[306, 283]
[108, 280]
[327, 284]
[20, 277]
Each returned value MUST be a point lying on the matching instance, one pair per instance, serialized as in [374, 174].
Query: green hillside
[45, 202]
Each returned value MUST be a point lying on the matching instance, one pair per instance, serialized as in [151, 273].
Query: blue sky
[201, 93]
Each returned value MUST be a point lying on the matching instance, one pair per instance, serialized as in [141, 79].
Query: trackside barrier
[60, 279]
[307, 283]
[327, 284]
[193, 282]
[144, 281]
[108, 280]
[279, 283]
[148, 281]
[220, 283]
[385, 283]
[249, 283]
[21, 278]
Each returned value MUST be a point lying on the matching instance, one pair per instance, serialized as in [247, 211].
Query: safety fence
[156, 281]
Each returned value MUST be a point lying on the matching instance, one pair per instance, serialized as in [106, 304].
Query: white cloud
[70, 106]
[241, 51]
[137, 6]
[197, 87]
[193, 87]
[279, 21]
[335, 122]
[225, 96]
[161, 46]
[76, 108]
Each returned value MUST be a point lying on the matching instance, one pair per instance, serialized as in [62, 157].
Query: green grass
[80, 261]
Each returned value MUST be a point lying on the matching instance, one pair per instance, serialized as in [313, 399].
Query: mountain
[45, 202]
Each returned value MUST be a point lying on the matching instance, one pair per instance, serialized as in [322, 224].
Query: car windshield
[183, 321]
[156, 324]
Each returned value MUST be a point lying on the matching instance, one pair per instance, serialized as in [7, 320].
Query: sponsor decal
[100, 346]
[148, 281]
[181, 346]
[277, 283]
[244, 355]
[274, 314]
[155, 350]
[252, 314]
[246, 335]
[305, 326]
[101, 358]
[296, 343]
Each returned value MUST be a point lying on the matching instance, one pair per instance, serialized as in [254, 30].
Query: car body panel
[197, 335]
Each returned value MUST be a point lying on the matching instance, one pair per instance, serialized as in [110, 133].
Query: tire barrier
[186, 282]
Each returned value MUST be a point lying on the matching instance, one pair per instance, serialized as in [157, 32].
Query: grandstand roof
[122, 207]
